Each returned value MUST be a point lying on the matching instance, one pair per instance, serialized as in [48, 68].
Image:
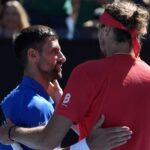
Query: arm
[45, 137]
[103, 139]
[49, 136]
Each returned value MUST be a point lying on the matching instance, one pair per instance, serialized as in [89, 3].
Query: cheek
[46, 63]
[15, 19]
[11, 21]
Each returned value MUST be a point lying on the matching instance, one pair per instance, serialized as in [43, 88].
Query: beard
[55, 74]
[50, 74]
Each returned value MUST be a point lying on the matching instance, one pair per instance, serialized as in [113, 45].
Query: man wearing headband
[116, 86]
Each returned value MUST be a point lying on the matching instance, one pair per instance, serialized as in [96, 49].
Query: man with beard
[39, 53]
[29, 105]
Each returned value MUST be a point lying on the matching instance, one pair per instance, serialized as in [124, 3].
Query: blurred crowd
[70, 18]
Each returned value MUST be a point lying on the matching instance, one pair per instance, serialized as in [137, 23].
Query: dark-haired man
[29, 104]
[39, 52]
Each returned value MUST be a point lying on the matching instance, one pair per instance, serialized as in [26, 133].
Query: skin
[45, 66]
[10, 21]
[10, 18]
[109, 46]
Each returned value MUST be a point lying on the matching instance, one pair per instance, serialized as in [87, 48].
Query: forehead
[51, 42]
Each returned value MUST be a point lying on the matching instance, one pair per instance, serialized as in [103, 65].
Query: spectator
[84, 14]
[72, 17]
[56, 14]
[4, 1]
[93, 24]
[13, 18]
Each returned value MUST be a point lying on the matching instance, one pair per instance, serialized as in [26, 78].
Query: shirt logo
[66, 99]
[42, 123]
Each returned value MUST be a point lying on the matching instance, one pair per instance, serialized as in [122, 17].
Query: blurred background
[75, 22]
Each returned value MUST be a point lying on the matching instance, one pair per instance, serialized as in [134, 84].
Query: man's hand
[4, 138]
[107, 138]
[55, 91]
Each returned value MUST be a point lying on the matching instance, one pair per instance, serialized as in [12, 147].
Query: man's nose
[63, 58]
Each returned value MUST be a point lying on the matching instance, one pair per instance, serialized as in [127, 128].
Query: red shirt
[119, 88]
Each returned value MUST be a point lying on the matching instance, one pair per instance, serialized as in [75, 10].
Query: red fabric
[117, 87]
[108, 20]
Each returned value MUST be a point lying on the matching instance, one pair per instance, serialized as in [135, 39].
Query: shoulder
[92, 66]
[39, 109]
[39, 103]
[9, 98]
[16, 100]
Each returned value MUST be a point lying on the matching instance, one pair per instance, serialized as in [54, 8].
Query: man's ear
[33, 55]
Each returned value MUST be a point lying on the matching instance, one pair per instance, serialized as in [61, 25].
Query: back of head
[131, 16]
[31, 37]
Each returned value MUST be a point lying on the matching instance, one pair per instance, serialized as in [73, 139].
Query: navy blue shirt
[28, 105]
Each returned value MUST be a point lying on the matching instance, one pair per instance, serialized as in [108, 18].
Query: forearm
[45, 137]
[31, 137]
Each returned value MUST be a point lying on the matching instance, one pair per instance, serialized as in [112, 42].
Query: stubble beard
[50, 75]
[53, 75]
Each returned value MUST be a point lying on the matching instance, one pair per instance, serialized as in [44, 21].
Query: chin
[57, 76]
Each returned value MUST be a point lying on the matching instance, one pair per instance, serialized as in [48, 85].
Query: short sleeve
[39, 109]
[77, 96]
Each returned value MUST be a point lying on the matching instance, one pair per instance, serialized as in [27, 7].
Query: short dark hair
[31, 37]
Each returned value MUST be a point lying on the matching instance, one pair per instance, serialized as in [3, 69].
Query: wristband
[9, 132]
[81, 145]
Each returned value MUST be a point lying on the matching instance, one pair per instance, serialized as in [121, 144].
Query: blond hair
[23, 16]
[130, 14]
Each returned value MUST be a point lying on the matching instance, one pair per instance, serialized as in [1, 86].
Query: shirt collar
[28, 81]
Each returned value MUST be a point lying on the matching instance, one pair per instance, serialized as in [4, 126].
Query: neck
[44, 82]
[119, 48]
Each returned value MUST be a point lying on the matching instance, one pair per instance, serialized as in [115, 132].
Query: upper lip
[59, 64]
